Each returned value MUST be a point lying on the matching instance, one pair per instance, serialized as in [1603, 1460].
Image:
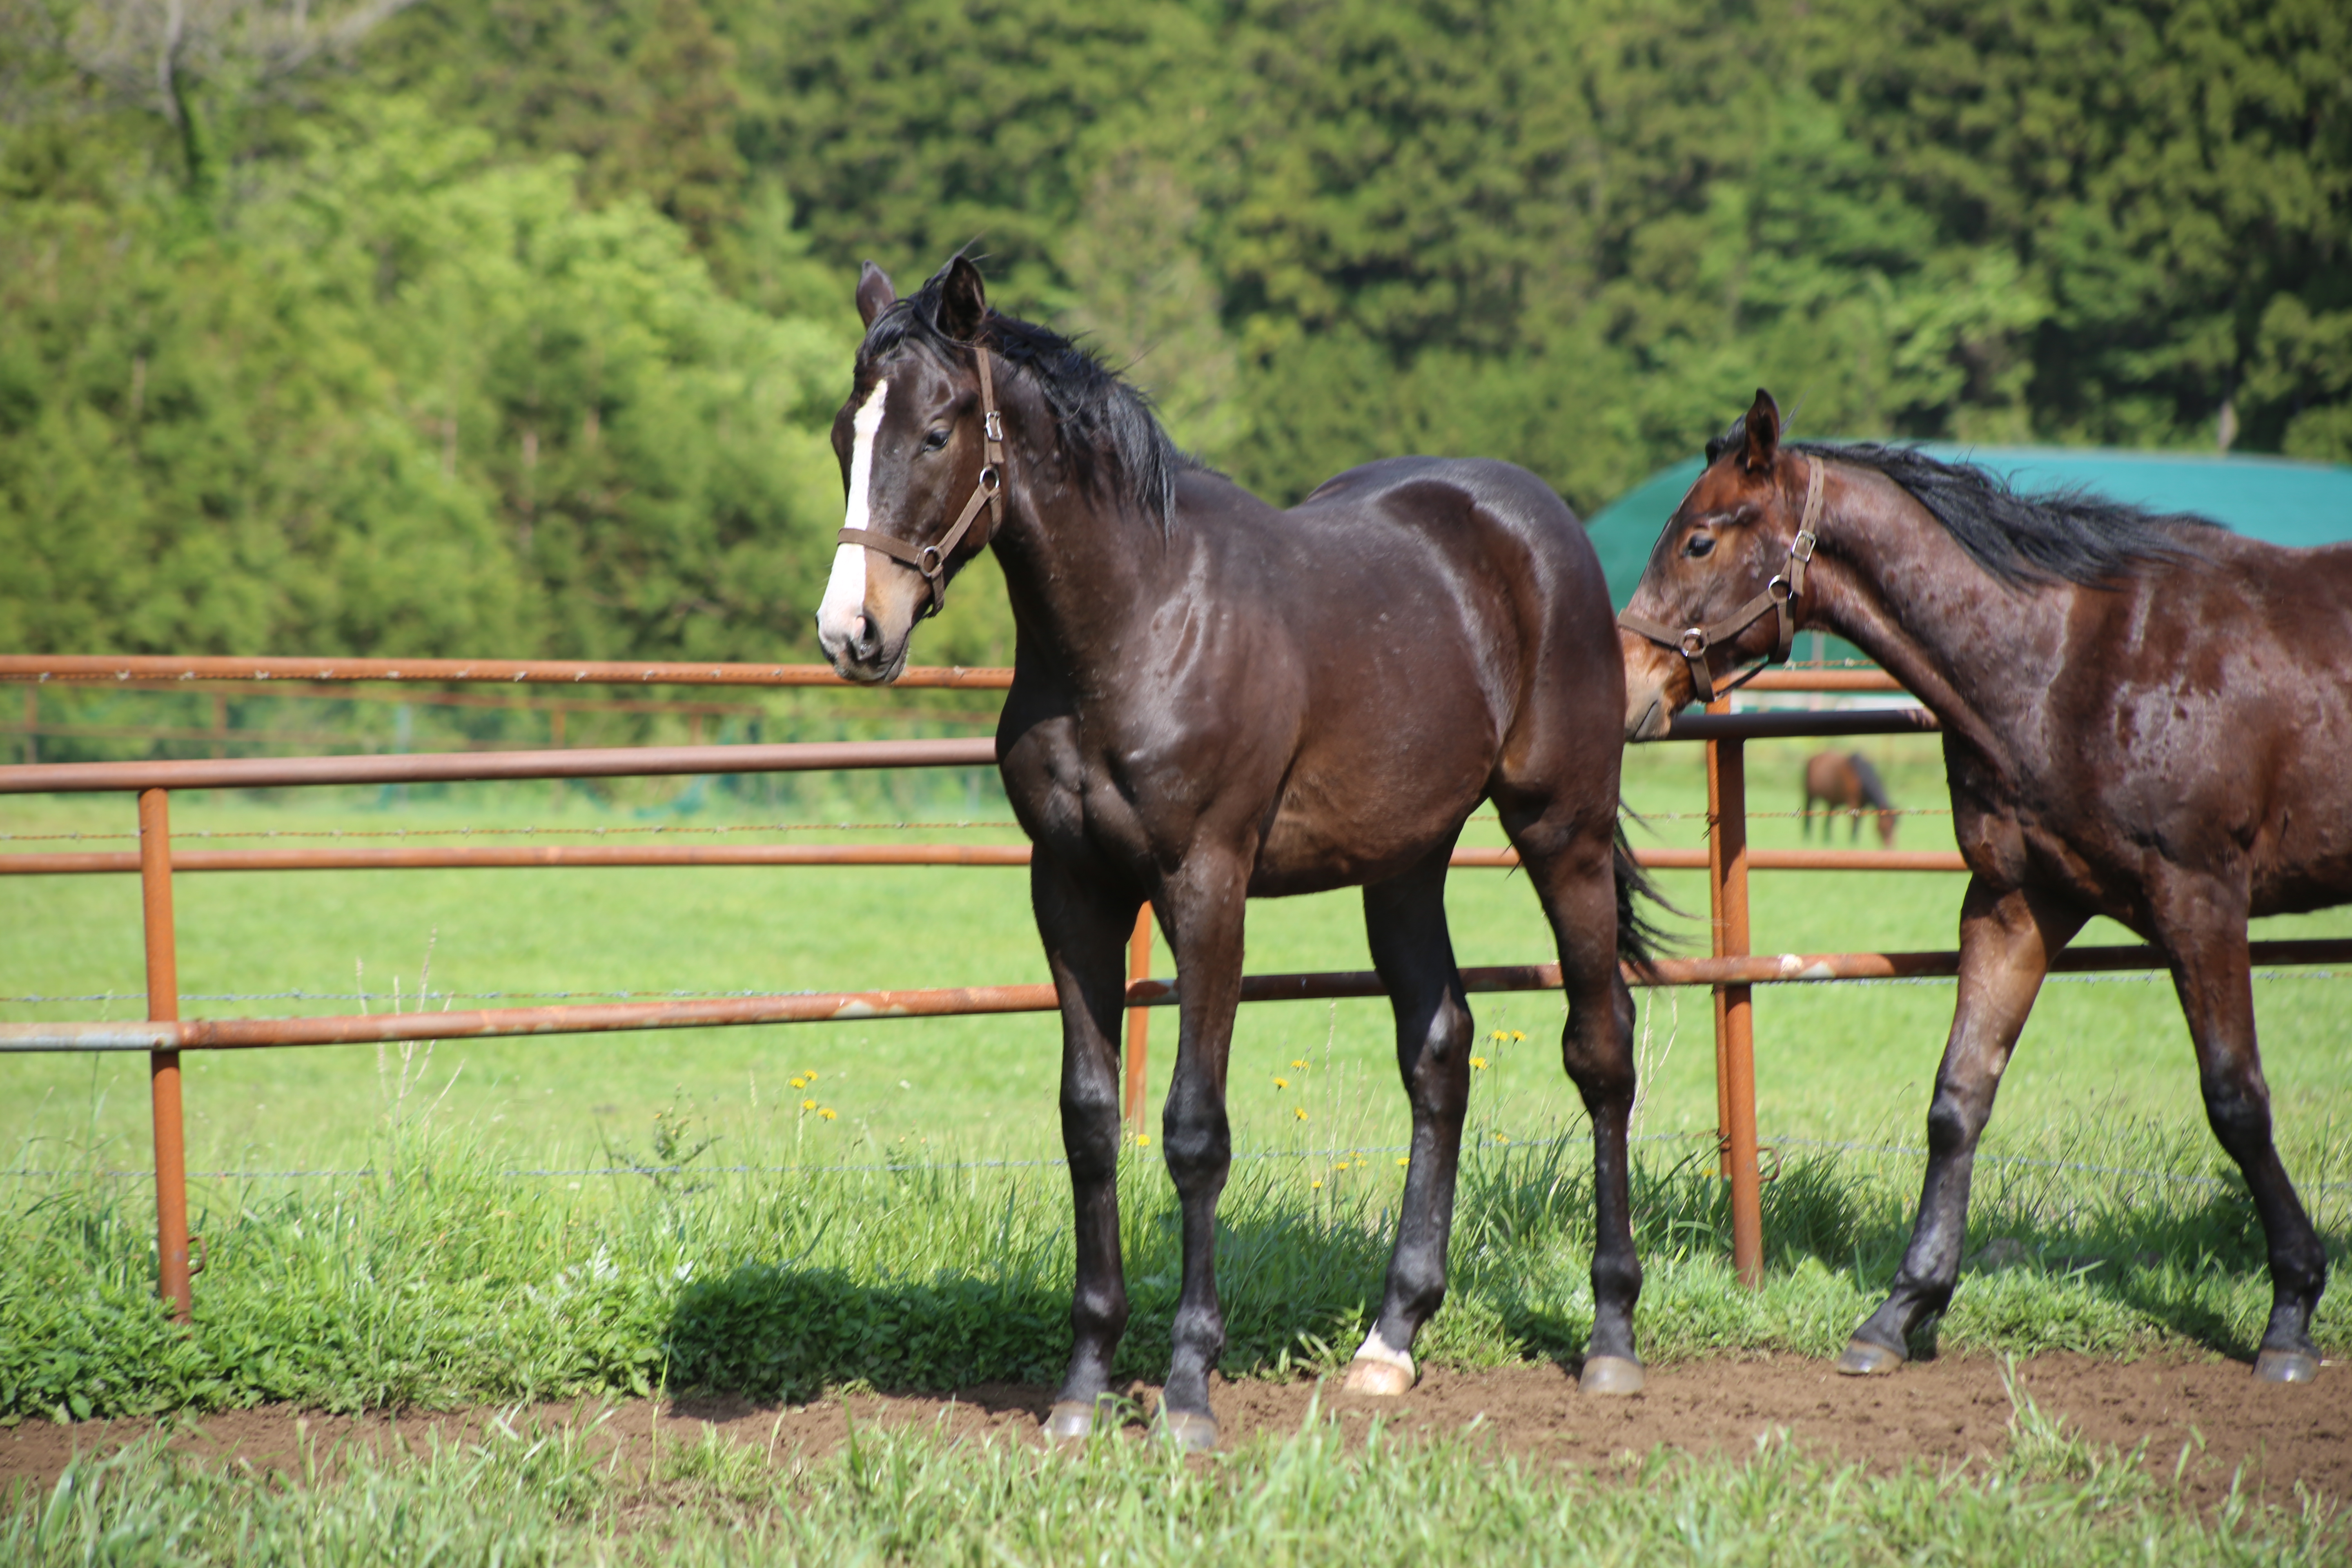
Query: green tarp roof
[2283, 502]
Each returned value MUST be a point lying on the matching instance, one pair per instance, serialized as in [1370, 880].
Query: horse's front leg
[2206, 939]
[1084, 916]
[1203, 905]
[2007, 940]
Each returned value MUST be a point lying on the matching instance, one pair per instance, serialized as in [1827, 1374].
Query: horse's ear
[1763, 425]
[875, 294]
[964, 302]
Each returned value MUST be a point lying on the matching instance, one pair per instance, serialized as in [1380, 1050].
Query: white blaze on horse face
[840, 614]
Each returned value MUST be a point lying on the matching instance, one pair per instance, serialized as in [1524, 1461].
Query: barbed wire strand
[426, 999]
[1503, 1145]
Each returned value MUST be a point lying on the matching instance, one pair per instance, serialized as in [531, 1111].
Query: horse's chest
[1067, 800]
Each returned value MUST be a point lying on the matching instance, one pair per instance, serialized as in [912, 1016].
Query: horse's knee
[1956, 1116]
[1091, 1130]
[1199, 1143]
[2237, 1107]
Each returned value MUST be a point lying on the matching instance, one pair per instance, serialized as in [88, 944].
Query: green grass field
[438, 1275]
[1840, 1063]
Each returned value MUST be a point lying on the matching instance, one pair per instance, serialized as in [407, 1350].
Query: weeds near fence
[434, 1278]
[524, 1495]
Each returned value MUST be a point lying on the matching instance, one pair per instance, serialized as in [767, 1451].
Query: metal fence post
[1139, 1020]
[163, 1066]
[1735, 1024]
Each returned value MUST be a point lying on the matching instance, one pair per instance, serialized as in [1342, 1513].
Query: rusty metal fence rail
[1730, 971]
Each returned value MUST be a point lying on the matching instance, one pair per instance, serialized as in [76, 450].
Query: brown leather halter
[1693, 642]
[931, 560]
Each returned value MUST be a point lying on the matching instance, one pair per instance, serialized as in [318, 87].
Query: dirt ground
[1941, 1413]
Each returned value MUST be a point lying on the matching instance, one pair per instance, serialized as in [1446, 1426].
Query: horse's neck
[1900, 588]
[1074, 568]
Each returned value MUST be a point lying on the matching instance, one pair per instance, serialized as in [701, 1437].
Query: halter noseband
[931, 560]
[1693, 642]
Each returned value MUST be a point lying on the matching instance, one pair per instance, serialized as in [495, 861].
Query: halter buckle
[993, 426]
[1802, 547]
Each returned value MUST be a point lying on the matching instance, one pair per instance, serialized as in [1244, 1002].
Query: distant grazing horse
[1213, 699]
[2144, 717]
[1844, 781]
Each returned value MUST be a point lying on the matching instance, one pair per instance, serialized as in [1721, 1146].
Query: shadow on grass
[2051, 1262]
[1292, 1289]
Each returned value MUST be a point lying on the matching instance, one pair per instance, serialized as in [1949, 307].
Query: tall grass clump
[524, 1496]
[436, 1278]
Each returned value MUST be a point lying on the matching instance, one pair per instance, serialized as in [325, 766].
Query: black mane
[1108, 428]
[2071, 535]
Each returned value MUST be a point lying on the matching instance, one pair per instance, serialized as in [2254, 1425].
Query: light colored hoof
[2286, 1366]
[1194, 1434]
[1382, 1379]
[1863, 1359]
[1610, 1375]
[1071, 1421]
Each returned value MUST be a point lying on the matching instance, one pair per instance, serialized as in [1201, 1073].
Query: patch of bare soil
[1939, 1412]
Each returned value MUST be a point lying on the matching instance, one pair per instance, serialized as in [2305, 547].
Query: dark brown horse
[2144, 717]
[1844, 781]
[1212, 700]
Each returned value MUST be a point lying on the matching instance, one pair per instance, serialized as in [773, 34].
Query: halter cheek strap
[1779, 596]
[931, 560]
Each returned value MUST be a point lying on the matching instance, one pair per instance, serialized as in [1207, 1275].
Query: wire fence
[1504, 1146]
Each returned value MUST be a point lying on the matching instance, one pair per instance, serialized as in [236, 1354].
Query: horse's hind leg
[2007, 940]
[1405, 920]
[1572, 860]
[2210, 974]
[1084, 922]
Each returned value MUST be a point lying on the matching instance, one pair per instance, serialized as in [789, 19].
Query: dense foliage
[480, 326]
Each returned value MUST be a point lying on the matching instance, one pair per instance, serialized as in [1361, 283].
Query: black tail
[1638, 936]
[1874, 791]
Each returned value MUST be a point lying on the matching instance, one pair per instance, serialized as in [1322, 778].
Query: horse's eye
[935, 440]
[1699, 545]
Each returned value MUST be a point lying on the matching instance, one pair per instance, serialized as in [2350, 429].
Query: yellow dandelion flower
[1143, 1139]
[1340, 1167]
[1517, 1034]
[1478, 1062]
[1299, 1062]
[1496, 1036]
[1315, 1185]
[1299, 1112]
[1502, 1138]
[1404, 1159]
[1282, 1083]
[828, 1114]
[799, 1083]
[808, 1105]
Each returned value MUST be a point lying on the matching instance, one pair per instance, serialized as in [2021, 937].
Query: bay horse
[1213, 699]
[1844, 781]
[2143, 716]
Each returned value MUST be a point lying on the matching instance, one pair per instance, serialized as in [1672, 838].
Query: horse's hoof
[1193, 1433]
[2286, 1366]
[1072, 1421]
[1384, 1379]
[1863, 1358]
[1610, 1375]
